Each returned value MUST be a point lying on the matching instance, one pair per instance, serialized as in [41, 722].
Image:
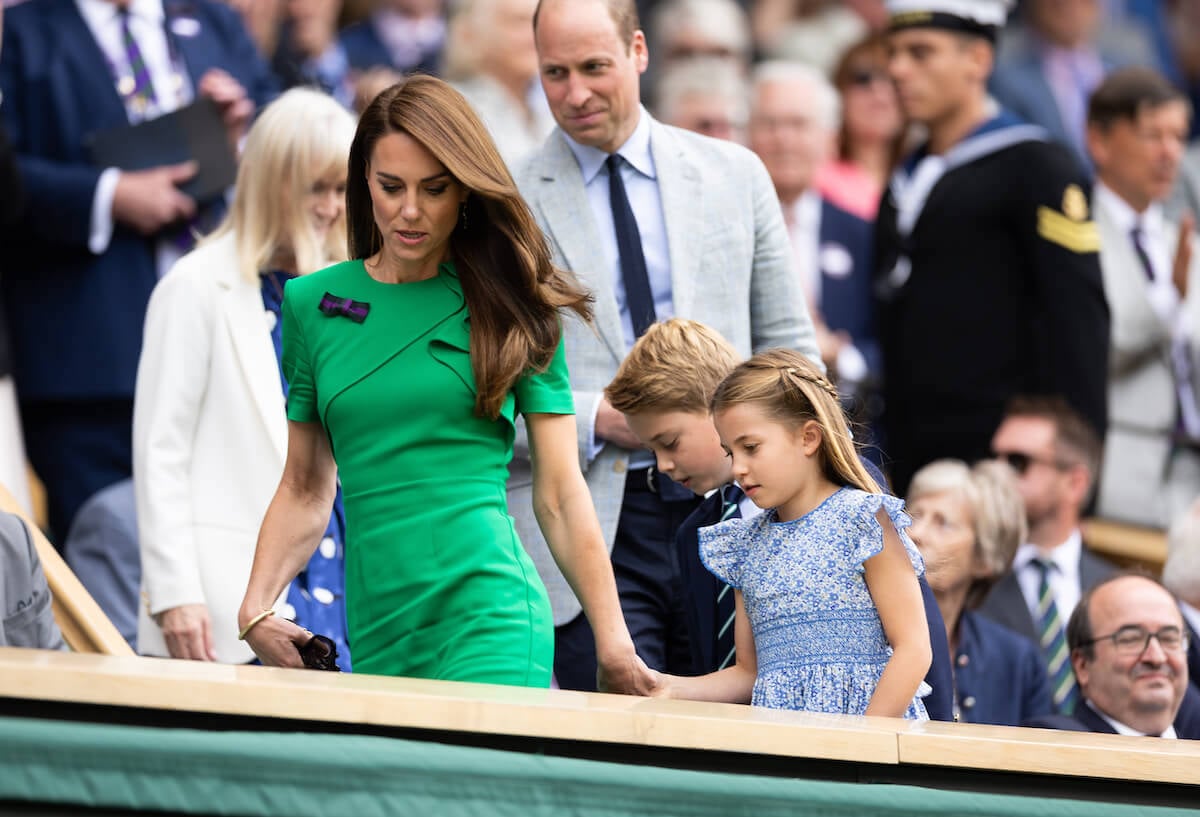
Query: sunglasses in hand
[319, 652]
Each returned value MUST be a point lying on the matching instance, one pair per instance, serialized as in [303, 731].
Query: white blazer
[209, 441]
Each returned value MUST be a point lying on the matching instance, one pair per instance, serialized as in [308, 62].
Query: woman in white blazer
[210, 429]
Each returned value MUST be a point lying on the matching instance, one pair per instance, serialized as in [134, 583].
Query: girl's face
[944, 532]
[773, 462]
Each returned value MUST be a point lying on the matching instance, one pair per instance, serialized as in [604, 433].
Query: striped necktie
[1053, 641]
[137, 89]
[731, 496]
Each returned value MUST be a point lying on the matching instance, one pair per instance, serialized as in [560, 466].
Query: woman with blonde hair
[968, 523]
[409, 366]
[210, 432]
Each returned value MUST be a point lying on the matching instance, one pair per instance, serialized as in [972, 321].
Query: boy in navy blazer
[663, 388]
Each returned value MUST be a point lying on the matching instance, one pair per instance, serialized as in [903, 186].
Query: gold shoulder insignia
[1077, 236]
[1074, 205]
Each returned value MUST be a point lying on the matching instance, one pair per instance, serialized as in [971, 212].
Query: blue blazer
[847, 302]
[1000, 677]
[700, 590]
[76, 318]
[365, 50]
[1187, 720]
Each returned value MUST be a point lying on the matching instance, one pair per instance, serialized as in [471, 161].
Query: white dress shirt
[641, 186]
[1122, 729]
[172, 87]
[1064, 579]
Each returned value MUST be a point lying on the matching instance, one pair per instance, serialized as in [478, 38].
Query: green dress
[437, 583]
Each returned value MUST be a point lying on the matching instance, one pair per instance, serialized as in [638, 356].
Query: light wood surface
[1047, 751]
[158, 683]
[84, 625]
[1127, 545]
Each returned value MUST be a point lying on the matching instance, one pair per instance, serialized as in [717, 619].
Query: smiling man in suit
[656, 222]
[93, 241]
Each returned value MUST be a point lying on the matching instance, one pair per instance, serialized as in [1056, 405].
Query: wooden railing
[1126, 545]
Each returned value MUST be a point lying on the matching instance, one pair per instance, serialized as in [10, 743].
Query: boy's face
[686, 447]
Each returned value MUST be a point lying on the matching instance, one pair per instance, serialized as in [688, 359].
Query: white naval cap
[981, 17]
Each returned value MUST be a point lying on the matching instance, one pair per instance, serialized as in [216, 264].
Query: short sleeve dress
[438, 584]
[821, 646]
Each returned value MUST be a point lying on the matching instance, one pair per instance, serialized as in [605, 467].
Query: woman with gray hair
[967, 523]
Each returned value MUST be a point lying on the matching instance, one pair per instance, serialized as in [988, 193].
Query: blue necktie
[726, 608]
[638, 297]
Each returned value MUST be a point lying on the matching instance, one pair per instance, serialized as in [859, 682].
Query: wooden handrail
[1128, 545]
[85, 627]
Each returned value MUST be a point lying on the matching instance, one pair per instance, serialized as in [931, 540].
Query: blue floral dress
[821, 646]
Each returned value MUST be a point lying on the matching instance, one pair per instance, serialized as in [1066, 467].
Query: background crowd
[978, 291]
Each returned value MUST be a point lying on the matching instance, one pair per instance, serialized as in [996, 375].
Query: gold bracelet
[253, 621]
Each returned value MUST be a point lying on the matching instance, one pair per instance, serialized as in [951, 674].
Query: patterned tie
[726, 608]
[1054, 642]
[638, 296]
[138, 89]
[1139, 247]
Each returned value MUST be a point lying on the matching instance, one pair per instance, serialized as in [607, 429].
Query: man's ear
[1079, 663]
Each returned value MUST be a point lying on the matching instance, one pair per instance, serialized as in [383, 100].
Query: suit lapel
[195, 49]
[563, 203]
[88, 65]
[680, 193]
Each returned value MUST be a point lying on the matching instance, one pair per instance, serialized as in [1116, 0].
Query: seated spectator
[684, 30]
[404, 35]
[1181, 575]
[1128, 648]
[1137, 129]
[491, 59]
[210, 431]
[24, 595]
[1056, 455]
[794, 114]
[310, 52]
[704, 96]
[967, 523]
[102, 551]
[871, 139]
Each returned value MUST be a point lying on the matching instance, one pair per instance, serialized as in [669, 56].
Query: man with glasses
[1056, 456]
[1129, 653]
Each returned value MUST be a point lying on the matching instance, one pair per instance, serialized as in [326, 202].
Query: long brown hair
[791, 390]
[869, 53]
[513, 291]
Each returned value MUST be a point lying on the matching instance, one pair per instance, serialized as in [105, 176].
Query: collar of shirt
[100, 13]
[1122, 729]
[1125, 217]
[636, 151]
[1064, 580]
[1065, 556]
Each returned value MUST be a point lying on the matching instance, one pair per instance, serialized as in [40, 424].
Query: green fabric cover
[299, 774]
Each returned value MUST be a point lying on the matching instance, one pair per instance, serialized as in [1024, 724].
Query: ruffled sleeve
[723, 548]
[869, 540]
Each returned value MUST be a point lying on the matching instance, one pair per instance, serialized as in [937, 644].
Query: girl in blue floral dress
[829, 613]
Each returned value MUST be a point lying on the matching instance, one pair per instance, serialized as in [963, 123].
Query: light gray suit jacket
[731, 268]
[28, 620]
[1142, 401]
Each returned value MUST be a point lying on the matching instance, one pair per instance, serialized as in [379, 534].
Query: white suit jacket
[1142, 401]
[209, 441]
[731, 268]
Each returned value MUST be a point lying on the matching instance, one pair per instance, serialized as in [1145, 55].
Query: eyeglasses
[1021, 461]
[1134, 639]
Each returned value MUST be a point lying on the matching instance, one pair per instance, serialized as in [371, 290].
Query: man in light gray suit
[1138, 124]
[708, 236]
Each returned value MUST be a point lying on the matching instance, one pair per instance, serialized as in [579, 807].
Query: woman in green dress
[408, 368]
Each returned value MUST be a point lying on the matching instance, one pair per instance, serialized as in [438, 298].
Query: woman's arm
[291, 530]
[732, 685]
[564, 510]
[897, 595]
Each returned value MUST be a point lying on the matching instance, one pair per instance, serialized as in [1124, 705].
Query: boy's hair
[791, 390]
[675, 366]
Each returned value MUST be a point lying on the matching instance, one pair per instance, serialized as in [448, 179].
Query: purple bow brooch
[332, 306]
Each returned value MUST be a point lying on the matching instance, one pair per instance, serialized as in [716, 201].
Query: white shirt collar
[1122, 729]
[1063, 556]
[100, 13]
[1125, 216]
[636, 151]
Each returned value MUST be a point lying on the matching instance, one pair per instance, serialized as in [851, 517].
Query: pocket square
[332, 306]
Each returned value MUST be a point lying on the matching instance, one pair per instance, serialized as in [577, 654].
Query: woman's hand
[187, 630]
[276, 641]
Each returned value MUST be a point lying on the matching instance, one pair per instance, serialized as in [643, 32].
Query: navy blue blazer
[844, 256]
[1000, 677]
[1187, 720]
[365, 50]
[76, 318]
[700, 590]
